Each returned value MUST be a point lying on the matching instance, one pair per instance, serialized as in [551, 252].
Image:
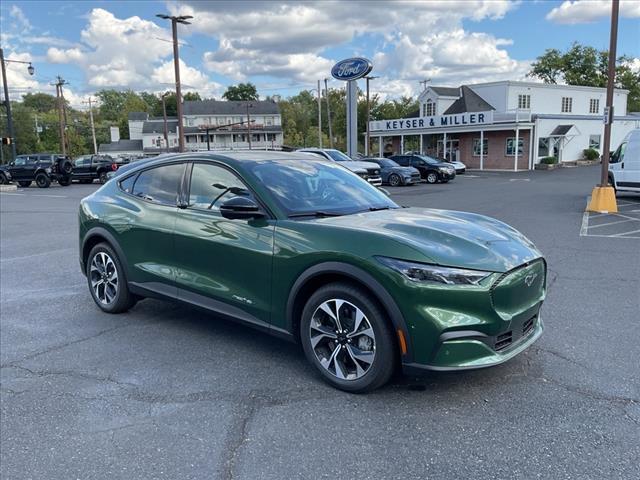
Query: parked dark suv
[431, 169]
[91, 167]
[43, 168]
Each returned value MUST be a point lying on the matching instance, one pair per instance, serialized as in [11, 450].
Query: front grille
[528, 326]
[503, 341]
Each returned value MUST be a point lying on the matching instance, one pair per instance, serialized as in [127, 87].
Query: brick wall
[496, 157]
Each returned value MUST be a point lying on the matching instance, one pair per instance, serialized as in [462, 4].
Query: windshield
[311, 187]
[338, 156]
[385, 162]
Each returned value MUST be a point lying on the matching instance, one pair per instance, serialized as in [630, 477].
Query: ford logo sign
[351, 69]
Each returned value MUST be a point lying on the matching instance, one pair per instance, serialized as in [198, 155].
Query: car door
[144, 221]
[617, 165]
[222, 264]
[17, 168]
[80, 167]
[421, 165]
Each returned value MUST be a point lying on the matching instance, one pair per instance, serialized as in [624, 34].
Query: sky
[285, 47]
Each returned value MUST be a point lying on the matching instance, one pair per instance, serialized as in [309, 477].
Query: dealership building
[505, 125]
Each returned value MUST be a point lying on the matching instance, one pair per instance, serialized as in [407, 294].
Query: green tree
[587, 66]
[40, 102]
[242, 91]
[192, 97]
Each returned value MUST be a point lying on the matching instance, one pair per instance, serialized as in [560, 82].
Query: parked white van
[624, 165]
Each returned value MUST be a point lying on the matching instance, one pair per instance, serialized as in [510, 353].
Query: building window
[510, 146]
[566, 104]
[429, 108]
[594, 142]
[594, 105]
[524, 101]
[268, 121]
[271, 137]
[476, 146]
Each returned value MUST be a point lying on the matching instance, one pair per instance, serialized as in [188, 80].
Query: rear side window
[127, 183]
[160, 184]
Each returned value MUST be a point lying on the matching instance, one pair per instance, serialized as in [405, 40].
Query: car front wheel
[107, 280]
[394, 180]
[103, 177]
[432, 177]
[3, 179]
[345, 335]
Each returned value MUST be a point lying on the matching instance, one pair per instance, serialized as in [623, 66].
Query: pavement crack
[239, 435]
[71, 373]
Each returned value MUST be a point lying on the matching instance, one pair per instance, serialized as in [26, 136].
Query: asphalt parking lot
[166, 391]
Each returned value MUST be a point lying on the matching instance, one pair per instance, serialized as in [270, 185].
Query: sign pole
[352, 118]
[603, 197]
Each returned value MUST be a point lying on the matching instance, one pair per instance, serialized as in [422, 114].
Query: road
[168, 392]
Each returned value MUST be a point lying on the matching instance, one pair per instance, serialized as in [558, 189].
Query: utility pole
[603, 197]
[93, 128]
[61, 122]
[7, 102]
[424, 83]
[319, 116]
[164, 116]
[326, 93]
[249, 105]
[367, 146]
[176, 64]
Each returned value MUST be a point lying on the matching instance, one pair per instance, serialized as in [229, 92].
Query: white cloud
[289, 41]
[191, 79]
[23, 22]
[587, 11]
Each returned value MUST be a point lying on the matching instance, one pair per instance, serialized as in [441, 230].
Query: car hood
[361, 165]
[447, 237]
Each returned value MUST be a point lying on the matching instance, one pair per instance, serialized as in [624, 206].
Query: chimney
[115, 134]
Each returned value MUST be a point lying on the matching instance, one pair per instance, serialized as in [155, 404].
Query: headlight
[425, 273]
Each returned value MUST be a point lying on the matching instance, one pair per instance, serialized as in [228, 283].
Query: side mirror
[241, 208]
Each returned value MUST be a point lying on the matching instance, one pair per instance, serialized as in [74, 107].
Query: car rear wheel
[24, 184]
[394, 180]
[346, 336]
[43, 180]
[432, 177]
[107, 280]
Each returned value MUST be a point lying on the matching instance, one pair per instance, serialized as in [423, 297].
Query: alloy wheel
[342, 339]
[432, 178]
[394, 180]
[104, 278]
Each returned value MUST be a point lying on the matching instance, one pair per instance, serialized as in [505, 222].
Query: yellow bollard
[603, 200]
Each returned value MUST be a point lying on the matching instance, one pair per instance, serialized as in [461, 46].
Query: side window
[127, 183]
[81, 161]
[401, 161]
[160, 184]
[212, 185]
[20, 161]
[417, 161]
[32, 160]
[618, 156]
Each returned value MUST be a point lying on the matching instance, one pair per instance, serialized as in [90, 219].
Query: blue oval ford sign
[351, 69]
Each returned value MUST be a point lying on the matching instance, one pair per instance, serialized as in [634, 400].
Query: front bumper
[472, 350]
[375, 181]
[446, 175]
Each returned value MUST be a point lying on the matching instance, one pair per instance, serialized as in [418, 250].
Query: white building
[542, 119]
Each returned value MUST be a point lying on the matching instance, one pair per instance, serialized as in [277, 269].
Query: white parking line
[35, 195]
[610, 223]
[626, 233]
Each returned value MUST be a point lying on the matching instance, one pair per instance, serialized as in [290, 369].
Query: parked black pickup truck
[43, 168]
[90, 167]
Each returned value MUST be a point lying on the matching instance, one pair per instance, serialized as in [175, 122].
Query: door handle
[622, 165]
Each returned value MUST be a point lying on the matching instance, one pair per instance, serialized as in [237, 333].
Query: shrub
[549, 160]
[590, 153]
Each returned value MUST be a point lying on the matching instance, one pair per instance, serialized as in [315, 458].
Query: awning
[561, 130]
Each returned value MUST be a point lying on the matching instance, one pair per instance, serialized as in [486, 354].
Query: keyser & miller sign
[439, 121]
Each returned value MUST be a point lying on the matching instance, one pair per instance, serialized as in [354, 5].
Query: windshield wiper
[317, 213]
[375, 209]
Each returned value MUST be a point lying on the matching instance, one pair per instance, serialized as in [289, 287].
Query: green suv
[306, 250]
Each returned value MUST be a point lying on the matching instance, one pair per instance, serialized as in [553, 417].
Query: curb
[8, 188]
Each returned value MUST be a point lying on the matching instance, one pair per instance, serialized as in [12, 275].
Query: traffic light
[7, 140]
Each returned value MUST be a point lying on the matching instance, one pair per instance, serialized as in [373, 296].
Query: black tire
[3, 179]
[103, 177]
[123, 299]
[25, 184]
[384, 362]
[432, 177]
[395, 180]
[64, 181]
[43, 180]
[65, 166]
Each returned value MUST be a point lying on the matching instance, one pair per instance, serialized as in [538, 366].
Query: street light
[7, 102]
[175, 20]
[368, 140]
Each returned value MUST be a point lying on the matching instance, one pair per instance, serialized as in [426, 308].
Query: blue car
[395, 175]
